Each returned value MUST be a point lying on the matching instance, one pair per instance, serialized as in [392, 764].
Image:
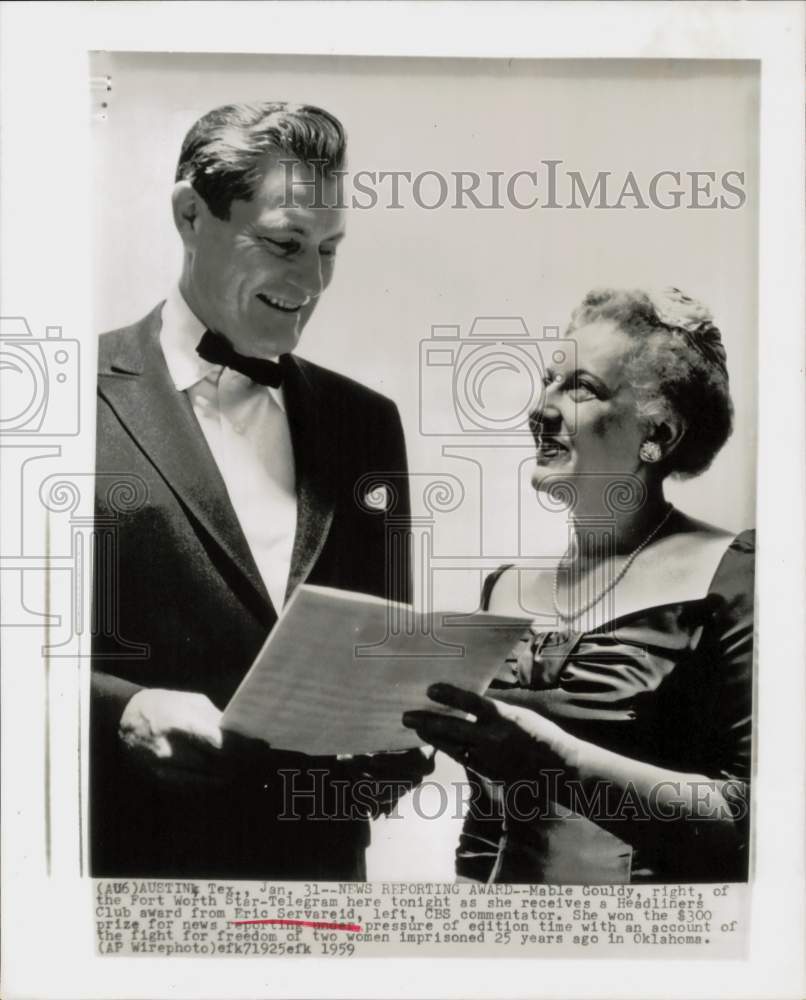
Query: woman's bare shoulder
[523, 589]
[677, 567]
[691, 531]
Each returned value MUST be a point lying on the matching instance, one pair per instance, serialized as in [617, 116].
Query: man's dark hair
[223, 153]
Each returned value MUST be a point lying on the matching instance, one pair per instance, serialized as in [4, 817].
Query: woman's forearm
[637, 800]
[612, 788]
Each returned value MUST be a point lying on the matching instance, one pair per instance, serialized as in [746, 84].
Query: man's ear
[188, 209]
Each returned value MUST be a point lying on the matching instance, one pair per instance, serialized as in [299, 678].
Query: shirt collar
[180, 334]
[179, 337]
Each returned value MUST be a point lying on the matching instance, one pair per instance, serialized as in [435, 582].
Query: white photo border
[46, 256]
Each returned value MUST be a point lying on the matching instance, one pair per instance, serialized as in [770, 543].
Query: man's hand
[170, 730]
[387, 776]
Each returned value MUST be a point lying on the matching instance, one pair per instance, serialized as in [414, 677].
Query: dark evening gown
[669, 686]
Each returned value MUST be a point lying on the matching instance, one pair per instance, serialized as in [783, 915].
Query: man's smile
[283, 305]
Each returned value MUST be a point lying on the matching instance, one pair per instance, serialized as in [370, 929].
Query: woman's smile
[550, 449]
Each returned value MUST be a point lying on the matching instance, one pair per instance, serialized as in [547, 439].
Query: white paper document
[339, 669]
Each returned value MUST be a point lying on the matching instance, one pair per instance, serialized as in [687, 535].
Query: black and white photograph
[598, 372]
[395, 532]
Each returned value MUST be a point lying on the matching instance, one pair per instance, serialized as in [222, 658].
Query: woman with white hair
[615, 744]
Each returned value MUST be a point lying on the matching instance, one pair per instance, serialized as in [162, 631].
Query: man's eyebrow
[283, 227]
[296, 229]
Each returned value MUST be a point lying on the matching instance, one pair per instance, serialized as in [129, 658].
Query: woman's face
[589, 424]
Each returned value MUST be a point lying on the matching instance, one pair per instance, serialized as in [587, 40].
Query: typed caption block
[271, 919]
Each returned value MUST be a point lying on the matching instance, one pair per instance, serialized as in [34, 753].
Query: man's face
[256, 277]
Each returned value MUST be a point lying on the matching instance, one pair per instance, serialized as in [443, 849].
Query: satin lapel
[314, 456]
[137, 385]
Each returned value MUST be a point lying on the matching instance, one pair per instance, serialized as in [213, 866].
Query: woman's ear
[187, 210]
[662, 438]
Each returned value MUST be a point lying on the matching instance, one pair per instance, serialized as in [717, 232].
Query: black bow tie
[216, 349]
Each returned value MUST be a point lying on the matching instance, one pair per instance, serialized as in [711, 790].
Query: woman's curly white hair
[678, 366]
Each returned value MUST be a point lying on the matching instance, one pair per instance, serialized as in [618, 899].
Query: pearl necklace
[616, 579]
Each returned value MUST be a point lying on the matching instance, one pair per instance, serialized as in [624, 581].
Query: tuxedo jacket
[179, 604]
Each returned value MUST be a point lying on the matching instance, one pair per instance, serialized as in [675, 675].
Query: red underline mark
[321, 924]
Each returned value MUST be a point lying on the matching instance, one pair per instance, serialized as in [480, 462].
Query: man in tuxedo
[229, 471]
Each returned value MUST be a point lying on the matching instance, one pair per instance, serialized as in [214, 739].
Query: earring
[649, 451]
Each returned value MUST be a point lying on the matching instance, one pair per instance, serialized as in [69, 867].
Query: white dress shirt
[246, 427]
